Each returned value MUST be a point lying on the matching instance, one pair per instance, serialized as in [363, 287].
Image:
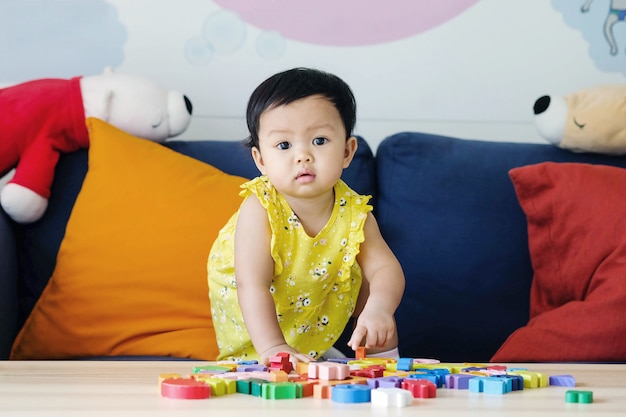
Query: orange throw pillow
[576, 216]
[130, 277]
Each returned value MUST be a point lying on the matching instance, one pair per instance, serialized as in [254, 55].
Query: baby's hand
[294, 355]
[377, 328]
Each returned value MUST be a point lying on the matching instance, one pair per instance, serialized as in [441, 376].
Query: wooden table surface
[121, 388]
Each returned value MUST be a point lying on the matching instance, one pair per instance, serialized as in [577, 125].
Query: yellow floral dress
[316, 279]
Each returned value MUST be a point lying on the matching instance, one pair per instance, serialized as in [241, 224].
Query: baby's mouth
[305, 176]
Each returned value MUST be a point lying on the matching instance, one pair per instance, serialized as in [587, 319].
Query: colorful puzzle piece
[219, 386]
[490, 385]
[517, 382]
[185, 389]
[281, 362]
[252, 368]
[307, 387]
[360, 352]
[163, 377]
[562, 380]
[351, 393]
[281, 390]
[436, 376]
[391, 397]
[532, 379]
[328, 371]
[386, 382]
[374, 371]
[212, 369]
[404, 364]
[574, 396]
[420, 388]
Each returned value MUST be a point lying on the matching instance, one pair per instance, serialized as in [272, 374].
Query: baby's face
[302, 147]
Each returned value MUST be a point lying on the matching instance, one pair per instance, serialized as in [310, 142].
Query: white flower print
[291, 280]
[304, 328]
[293, 220]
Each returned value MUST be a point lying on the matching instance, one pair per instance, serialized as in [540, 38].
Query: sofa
[458, 214]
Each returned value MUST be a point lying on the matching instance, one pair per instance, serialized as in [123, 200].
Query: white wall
[475, 75]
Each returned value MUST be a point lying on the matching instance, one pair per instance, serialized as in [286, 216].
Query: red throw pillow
[576, 217]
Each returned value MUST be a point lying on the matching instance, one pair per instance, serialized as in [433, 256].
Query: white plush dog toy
[41, 119]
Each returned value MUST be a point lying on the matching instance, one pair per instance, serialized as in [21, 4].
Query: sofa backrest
[448, 210]
[446, 207]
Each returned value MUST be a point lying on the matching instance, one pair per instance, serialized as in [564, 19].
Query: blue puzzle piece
[351, 393]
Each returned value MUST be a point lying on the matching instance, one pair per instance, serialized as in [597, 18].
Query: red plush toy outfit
[39, 120]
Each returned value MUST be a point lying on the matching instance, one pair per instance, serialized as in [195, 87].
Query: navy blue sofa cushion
[39, 242]
[448, 210]
[8, 283]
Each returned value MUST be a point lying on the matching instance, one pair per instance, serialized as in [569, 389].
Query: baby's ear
[258, 159]
[351, 146]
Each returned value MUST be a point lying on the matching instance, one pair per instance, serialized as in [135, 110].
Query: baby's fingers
[357, 337]
[301, 357]
[376, 339]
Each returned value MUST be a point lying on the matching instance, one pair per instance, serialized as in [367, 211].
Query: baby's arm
[254, 269]
[383, 286]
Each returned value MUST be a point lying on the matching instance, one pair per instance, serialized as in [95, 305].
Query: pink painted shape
[346, 22]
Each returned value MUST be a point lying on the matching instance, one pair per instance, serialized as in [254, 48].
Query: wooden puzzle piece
[351, 393]
[185, 388]
[420, 388]
[391, 397]
[575, 396]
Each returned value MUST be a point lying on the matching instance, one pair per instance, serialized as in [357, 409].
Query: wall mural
[349, 23]
[76, 36]
[87, 35]
[603, 26]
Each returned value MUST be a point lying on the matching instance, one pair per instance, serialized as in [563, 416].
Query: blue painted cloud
[603, 28]
[61, 38]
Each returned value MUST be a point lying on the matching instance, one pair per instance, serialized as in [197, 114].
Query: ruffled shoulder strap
[354, 206]
[261, 188]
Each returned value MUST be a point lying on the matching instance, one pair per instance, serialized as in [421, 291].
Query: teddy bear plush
[590, 120]
[40, 119]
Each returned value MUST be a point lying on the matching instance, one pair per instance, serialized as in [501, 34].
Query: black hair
[295, 84]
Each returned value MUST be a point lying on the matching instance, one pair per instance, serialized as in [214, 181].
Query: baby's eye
[283, 145]
[319, 141]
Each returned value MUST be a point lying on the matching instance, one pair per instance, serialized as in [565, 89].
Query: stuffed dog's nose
[541, 104]
[550, 116]
[179, 110]
[188, 104]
